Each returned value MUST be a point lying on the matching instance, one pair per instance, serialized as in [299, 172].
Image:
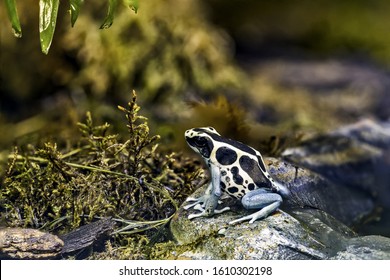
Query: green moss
[61, 188]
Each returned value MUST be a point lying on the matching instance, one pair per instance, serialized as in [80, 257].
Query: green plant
[48, 10]
[61, 188]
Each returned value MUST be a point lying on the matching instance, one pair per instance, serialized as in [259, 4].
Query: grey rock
[355, 156]
[300, 234]
[309, 189]
[279, 236]
[27, 243]
[372, 247]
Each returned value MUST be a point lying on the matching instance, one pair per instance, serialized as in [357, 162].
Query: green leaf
[133, 4]
[48, 10]
[13, 17]
[74, 10]
[112, 4]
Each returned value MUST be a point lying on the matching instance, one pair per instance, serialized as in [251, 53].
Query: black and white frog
[237, 170]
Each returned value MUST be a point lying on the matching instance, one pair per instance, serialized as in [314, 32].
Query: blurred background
[255, 70]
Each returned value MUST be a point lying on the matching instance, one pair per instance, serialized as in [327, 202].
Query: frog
[236, 170]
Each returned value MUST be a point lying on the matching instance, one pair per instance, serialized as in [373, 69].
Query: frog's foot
[205, 213]
[206, 204]
[196, 201]
[200, 200]
[258, 215]
[261, 199]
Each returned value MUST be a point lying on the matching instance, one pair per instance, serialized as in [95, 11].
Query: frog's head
[201, 140]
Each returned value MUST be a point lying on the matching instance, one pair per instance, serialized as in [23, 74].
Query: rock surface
[357, 156]
[309, 189]
[373, 247]
[21, 243]
[277, 237]
[300, 234]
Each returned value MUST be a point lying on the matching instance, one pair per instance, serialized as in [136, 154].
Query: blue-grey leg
[213, 189]
[209, 208]
[262, 199]
[199, 200]
[206, 204]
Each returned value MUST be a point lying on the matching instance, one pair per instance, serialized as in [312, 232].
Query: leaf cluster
[101, 175]
[48, 10]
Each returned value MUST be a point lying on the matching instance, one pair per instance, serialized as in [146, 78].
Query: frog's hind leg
[261, 199]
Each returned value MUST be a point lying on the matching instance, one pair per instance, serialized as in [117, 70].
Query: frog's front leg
[212, 189]
[209, 208]
[200, 200]
[262, 199]
[208, 203]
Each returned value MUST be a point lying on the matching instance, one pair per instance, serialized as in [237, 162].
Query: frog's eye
[200, 141]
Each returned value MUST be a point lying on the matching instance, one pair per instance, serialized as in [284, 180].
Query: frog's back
[242, 167]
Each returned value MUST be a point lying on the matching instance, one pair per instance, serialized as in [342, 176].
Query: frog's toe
[240, 220]
[252, 218]
[196, 201]
[192, 199]
[198, 207]
[264, 212]
[197, 215]
[219, 211]
[186, 207]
